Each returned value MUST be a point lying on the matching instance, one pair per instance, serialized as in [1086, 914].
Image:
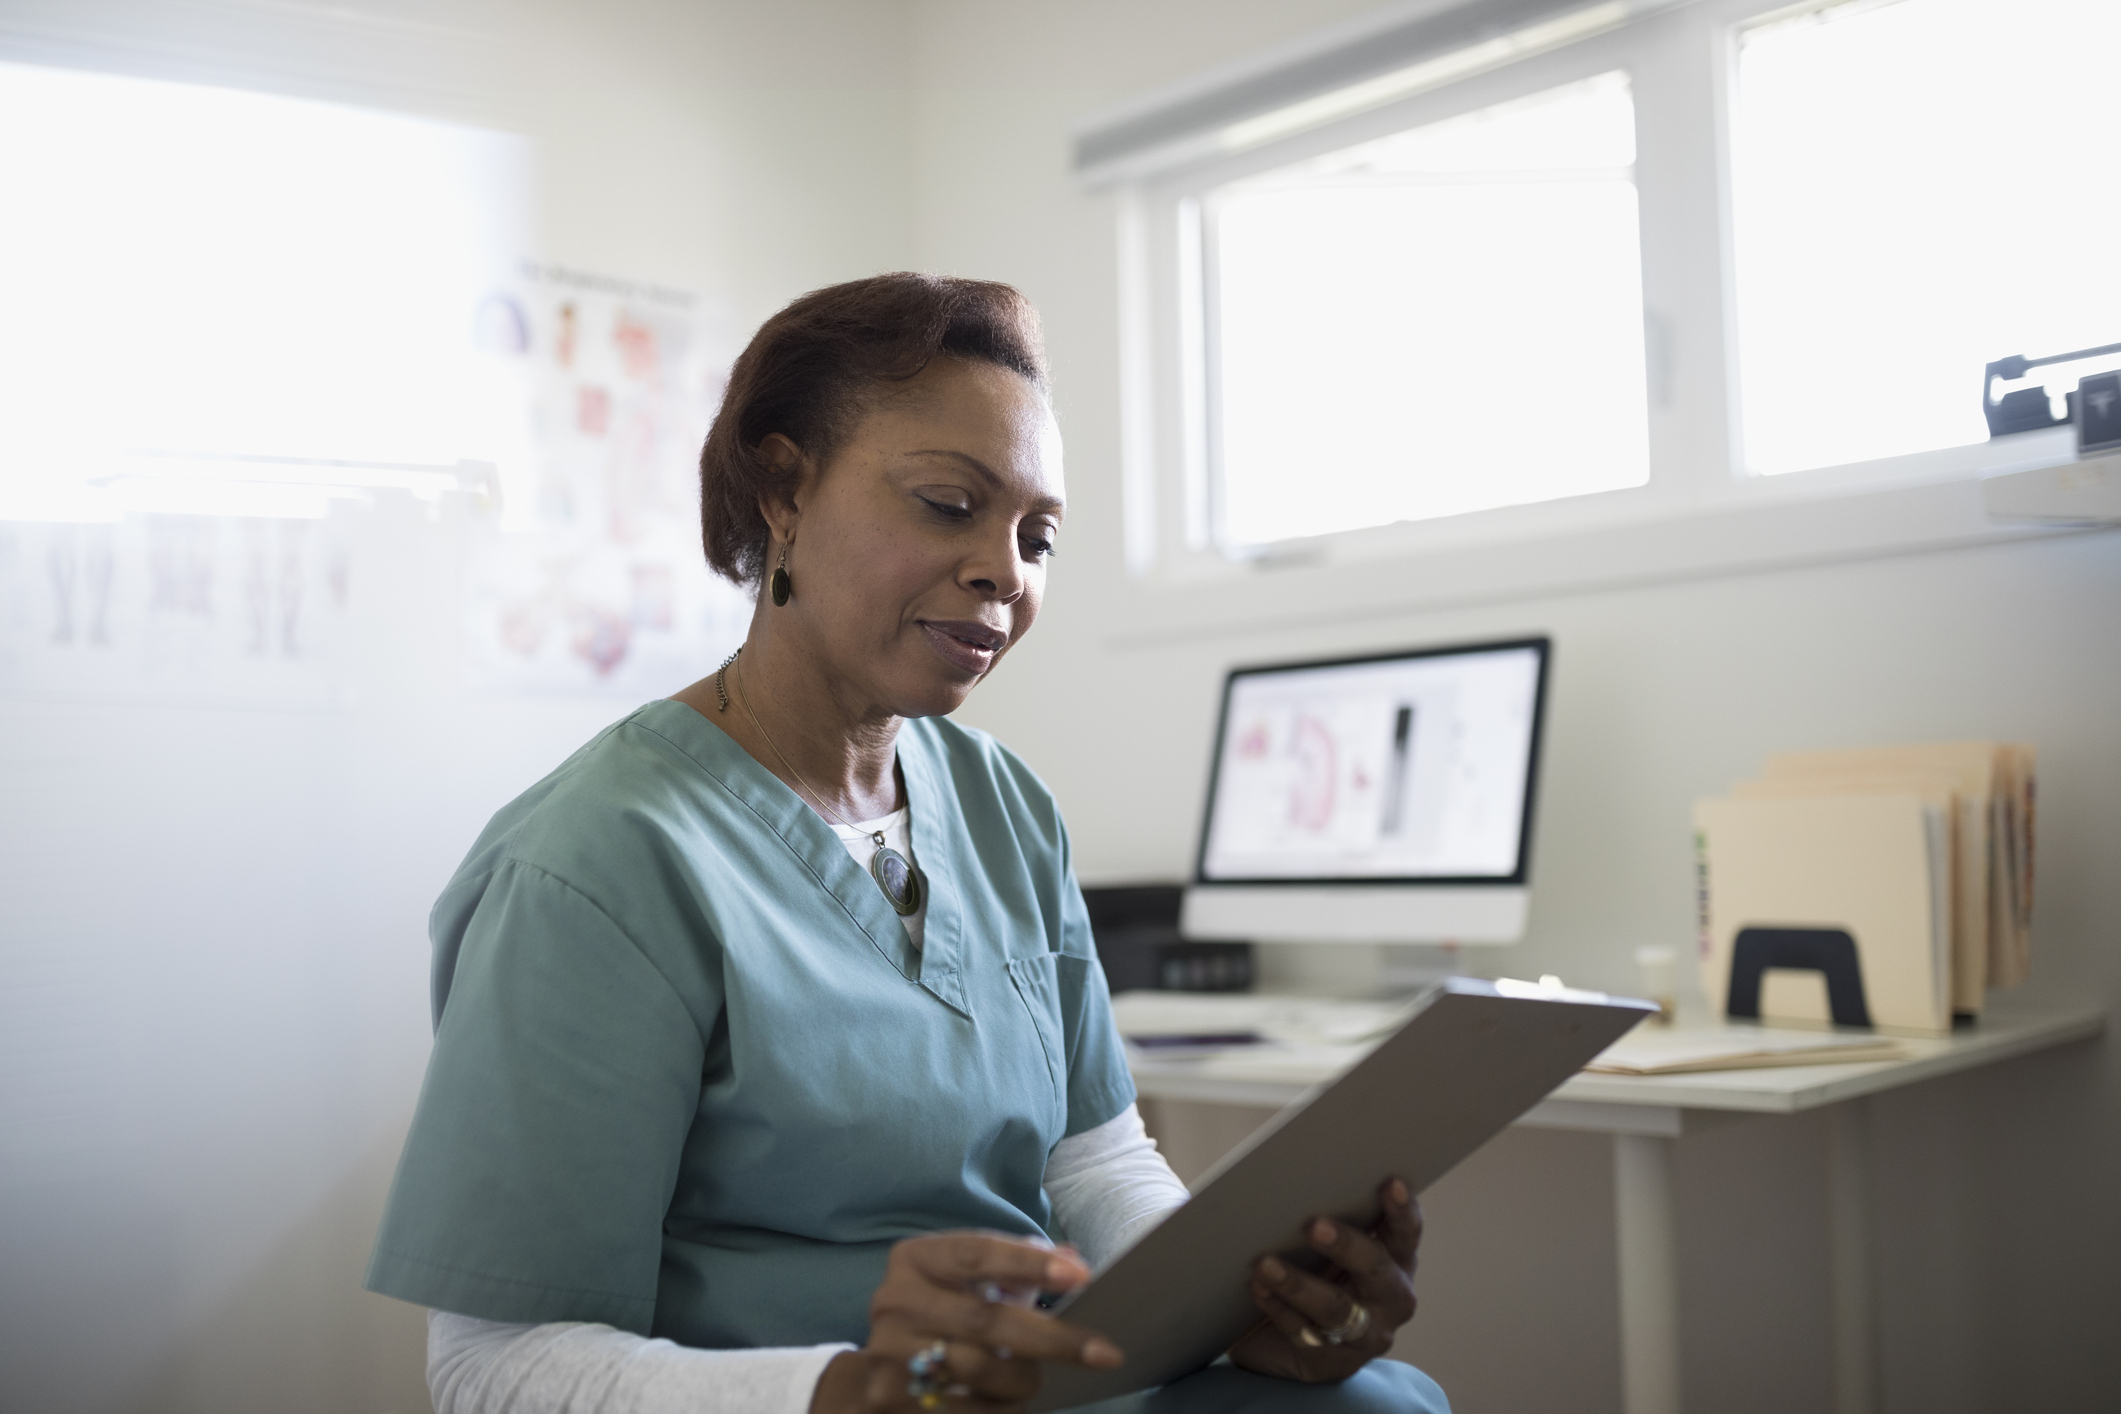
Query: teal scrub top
[690, 1077]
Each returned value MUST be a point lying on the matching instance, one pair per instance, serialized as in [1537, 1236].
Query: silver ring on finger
[1354, 1328]
[929, 1370]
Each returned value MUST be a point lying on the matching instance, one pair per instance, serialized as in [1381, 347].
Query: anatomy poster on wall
[588, 577]
[176, 607]
[553, 518]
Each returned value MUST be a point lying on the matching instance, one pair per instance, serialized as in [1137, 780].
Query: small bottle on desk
[1660, 980]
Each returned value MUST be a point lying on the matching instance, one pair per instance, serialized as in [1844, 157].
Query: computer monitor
[1385, 799]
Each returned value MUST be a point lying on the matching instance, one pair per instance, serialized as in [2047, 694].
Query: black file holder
[1828, 951]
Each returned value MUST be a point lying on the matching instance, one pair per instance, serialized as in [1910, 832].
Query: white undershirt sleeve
[564, 1367]
[1108, 1186]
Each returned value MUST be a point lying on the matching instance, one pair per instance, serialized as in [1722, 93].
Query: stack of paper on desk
[1647, 1051]
[1303, 1037]
[1162, 1019]
[1269, 1039]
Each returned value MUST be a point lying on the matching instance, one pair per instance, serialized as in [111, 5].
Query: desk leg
[1849, 1257]
[1643, 1201]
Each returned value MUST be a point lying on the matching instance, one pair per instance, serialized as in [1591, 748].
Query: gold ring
[1353, 1328]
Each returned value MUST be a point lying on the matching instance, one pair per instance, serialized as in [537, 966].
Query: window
[1918, 188]
[1382, 313]
[1514, 272]
[226, 309]
[234, 303]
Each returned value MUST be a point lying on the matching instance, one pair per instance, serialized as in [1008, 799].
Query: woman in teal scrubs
[761, 1024]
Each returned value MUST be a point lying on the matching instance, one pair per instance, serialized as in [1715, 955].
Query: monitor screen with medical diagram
[1415, 766]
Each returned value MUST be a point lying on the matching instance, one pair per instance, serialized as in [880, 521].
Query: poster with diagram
[588, 576]
[552, 524]
[176, 608]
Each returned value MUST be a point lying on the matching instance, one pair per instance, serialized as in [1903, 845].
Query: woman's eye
[1040, 549]
[944, 508]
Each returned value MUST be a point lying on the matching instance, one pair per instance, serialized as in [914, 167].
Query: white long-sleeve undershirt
[1107, 1187]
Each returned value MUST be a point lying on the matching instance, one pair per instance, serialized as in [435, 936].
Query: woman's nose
[996, 572]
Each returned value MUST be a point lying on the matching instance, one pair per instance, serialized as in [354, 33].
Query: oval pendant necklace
[903, 886]
[895, 875]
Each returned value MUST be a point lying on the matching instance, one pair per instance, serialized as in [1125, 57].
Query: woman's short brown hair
[809, 369]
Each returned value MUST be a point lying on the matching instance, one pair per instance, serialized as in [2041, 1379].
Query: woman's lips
[966, 645]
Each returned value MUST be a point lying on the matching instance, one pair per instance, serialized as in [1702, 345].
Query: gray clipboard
[1468, 1061]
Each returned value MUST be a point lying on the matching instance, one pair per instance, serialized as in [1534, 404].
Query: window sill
[1623, 540]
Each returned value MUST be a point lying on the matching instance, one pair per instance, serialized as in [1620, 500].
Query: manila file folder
[1827, 908]
[1992, 892]
[1966, 920]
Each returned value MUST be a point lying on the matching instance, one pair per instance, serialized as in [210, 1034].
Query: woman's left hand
[1326, 1327]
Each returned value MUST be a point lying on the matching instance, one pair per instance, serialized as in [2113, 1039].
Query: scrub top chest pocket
[1037, 984]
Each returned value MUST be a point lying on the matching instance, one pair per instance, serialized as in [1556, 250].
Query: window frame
[1681, 65]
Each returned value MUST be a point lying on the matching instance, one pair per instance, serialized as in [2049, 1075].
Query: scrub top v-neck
[691, 1078]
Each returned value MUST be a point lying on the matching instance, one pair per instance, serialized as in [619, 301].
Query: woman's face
[919, 550]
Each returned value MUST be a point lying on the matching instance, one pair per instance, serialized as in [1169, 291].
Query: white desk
[1645, 1114]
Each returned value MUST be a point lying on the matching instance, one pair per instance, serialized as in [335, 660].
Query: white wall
[1999, 1239]
[212, 942]
[213, 955]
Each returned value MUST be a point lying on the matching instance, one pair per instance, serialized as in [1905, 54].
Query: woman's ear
[781, 503]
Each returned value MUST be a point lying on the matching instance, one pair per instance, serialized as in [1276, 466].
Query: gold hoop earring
[780, 586]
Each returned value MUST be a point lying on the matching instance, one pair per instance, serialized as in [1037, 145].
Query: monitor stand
[1352, 970]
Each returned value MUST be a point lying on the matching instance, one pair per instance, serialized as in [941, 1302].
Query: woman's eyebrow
[994, 478]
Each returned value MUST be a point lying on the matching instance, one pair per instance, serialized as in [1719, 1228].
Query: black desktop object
[1136, 928]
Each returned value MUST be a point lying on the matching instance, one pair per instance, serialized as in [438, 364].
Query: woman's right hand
[973, 1292]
